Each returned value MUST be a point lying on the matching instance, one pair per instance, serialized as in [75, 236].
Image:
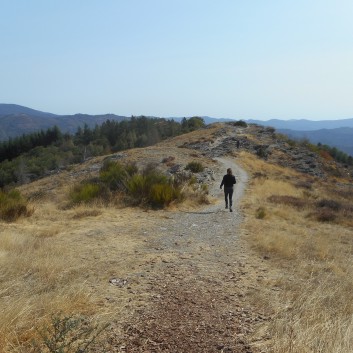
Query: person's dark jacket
[228, 181]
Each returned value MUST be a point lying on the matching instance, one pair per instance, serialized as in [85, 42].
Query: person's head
[229, 171]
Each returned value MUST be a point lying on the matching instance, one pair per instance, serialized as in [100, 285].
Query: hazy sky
[256, 59]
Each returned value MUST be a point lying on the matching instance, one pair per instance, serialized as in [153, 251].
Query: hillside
[341, 138]
[303, 124]
[272, 276]
[16, 120]
[334, 133]
[10, 109]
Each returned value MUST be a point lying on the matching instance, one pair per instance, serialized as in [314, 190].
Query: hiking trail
[200, 282]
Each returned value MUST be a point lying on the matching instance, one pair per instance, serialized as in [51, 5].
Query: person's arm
[234, 180]
[222, 183]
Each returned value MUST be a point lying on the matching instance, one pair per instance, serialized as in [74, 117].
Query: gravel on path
[200, 301]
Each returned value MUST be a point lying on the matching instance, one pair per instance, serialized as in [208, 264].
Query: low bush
[262, 152]
[84, 193]
[287, 200]
[149, 187]
[195, 167]
[240, 123]
[113, 175]
[270, 129]
[329, 204]
[153, 188]
[131, 169]
[163, 194]
[13, 205]
[136, 187]
[67, 334]
[325, 215]
[260, 213]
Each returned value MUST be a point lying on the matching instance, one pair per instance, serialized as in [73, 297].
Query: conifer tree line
[15, 147]
[336, 154]
[33, 155]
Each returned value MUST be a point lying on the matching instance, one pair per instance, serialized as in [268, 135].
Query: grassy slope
[62, 259]
[309, 290]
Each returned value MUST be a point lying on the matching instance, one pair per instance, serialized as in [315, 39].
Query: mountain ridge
[304, 124]
[340, 138]
[16, 120]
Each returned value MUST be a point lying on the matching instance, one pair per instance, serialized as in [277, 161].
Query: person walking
[228, 181]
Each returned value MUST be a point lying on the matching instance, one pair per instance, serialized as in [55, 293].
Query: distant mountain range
[341, 137]
[335, 133]
[16, 120]
[304, 125]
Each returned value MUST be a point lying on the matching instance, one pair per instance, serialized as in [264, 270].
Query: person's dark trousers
[228, 194]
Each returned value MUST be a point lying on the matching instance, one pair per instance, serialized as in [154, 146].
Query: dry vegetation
[302, 227]
[60, 260]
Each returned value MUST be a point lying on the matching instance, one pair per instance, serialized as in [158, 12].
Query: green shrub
[85, 192]
[114, 175]
[155, 177]
[195, 167]
[13, 205]
[149, 187]
[136, 187]
[240, 123]
[131, 169]
[152, 188]
[163, 194]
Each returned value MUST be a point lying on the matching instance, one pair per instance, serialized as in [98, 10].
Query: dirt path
[200, 284]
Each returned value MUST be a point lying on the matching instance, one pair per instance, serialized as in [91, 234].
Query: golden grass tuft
[86, 213]
[35, 281]
[61, 260]
[311, 299]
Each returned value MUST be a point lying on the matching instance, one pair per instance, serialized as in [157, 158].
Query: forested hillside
[31, 156]
[16, 120]
[341, 138]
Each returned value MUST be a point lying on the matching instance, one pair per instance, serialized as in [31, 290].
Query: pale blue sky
[258, 59]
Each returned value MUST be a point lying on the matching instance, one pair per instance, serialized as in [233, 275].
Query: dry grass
[309, 290]
[35, 281]
[60, 259]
